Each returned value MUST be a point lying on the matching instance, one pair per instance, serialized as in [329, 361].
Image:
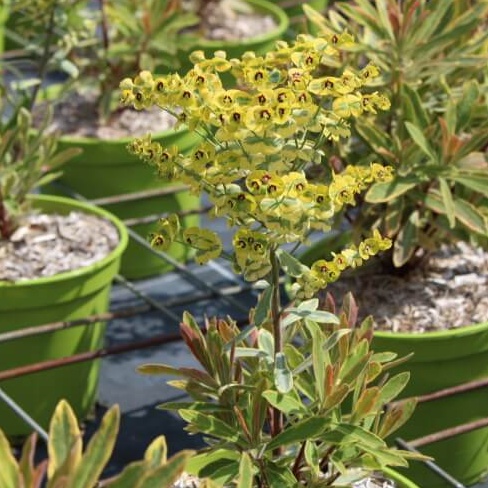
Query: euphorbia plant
[432, 57]
[272, 398]
[69, 465]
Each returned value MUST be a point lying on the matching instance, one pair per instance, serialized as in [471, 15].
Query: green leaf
[190, 373]
[309, 428]
[26, 462]
[448, 202]
[210, 425]
[199, 464]
[393, 215]
[98, 451]
[420, 140]
[308, 310]
[394, 386]
[389, 457]
[263, 308]
[168, 473]
[9, 470]
[312, 457]
[328, 344]
[249, 352]
[470, 216]
[246, 472]
[279, 476]
[384, 357]
[415, 111]
[64, 439]
[478, 182]
[130, 475]
[382, 10]
[361, 435]
[289, 264]
[471, 93]
[198, 406]
[157, 452]
[61, 157]
[222, 473]
[387, 191]
[465, 212]
[283, 378]
[284, 402]
[266, 342]
[318, 362]
[407, 240]
[375, 138]
[355, 362]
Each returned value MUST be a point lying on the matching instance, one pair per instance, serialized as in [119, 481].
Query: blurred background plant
[27, 157]
[98, 43]
[432, 61]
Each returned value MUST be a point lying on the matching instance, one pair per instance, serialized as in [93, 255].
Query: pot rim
[85, 270]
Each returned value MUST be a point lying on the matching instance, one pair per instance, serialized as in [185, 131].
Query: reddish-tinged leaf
[195, 341]
[407, 240]
[26, 462]
[350, 308]
[367, 404]
[396, 416]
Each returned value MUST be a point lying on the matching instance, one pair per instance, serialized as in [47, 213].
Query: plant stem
[277, 416]
[275, 302]
[298, 461]
[6, 226]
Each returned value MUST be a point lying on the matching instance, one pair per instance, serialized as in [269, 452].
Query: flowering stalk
[260, 138]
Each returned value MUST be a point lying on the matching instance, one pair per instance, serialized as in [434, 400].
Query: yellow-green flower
[167, 232]
[251, 251]
[206, 243]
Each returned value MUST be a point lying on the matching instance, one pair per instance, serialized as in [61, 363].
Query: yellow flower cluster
[324, 271]
[260, 137]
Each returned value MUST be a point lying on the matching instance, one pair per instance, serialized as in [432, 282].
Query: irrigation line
[68, 324]
[23, 415]
[122, 313]
[144, 296]
[431, 465]
[151, 219]
[446, 392]
[89, 355]
[448, 433]
[139, 195]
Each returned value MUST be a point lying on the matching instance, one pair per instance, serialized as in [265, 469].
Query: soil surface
[229, 22]
[449, 291]
[45, 245]
[377, 481]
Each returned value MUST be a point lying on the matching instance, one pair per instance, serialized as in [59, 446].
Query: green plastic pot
[259, 44]
[66, 296]
[441, 360]
[106, 168]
